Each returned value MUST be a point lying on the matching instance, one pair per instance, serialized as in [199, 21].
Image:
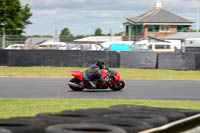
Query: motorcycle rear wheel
[118, 86]
[76, 81]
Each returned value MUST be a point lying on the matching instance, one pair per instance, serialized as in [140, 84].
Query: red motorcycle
[114, 81]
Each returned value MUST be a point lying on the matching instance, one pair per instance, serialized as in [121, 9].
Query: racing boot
[91, 85]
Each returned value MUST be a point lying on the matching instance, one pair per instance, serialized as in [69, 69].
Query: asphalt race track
[135, 89]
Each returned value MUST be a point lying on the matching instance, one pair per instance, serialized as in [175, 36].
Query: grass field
[126, 73]
[11, 107]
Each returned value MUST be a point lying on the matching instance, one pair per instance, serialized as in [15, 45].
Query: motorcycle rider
[94, 73]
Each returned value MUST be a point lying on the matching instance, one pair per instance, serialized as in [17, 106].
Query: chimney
[158, 4]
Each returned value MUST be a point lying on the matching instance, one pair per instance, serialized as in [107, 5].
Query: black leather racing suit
[91, 74]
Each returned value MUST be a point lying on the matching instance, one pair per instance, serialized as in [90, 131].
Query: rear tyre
[117, 86]
[76, 81]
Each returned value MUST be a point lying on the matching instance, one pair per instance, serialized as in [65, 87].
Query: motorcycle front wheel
[75, 81]
[117, 86]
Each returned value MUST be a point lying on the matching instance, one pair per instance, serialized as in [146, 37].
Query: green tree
[98, 32]
[66, 36]
[14, 17]
[65, 32]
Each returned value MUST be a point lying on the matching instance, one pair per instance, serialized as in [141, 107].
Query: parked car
[121, 47]
[117, 45]
[54, 45]
[155, 47]
[15, 46]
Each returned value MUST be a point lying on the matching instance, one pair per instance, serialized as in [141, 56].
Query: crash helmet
[101, 64]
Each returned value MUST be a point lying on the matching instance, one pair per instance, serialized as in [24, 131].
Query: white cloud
[83, 16]
[61, 2]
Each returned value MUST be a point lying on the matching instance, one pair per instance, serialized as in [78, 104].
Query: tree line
[67, 36]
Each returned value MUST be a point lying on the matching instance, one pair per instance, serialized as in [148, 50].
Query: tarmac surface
[14, 87]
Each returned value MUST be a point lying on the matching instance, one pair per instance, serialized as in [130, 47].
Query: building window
[157, 28]
[182, 28]
[140, 29]
[150, 28]
[164, 28]
[153, 28]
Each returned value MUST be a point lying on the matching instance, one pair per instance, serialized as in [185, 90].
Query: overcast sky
[84, 16]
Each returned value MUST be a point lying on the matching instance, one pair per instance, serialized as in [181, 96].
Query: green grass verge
[126, 73]
[14, 107]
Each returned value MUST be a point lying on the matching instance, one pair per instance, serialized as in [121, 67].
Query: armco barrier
[125, 59]
[45, 58]
[197, 61]
[3, 57]
[192, 49]
[177, 61]
[138, 60]
[57, 58]
[110, 57]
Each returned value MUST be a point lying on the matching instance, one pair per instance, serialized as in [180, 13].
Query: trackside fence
[73, 58]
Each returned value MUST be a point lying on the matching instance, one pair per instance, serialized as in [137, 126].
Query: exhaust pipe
[73, 84]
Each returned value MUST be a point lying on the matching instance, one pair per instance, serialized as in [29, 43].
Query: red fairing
[117, 77]
[77, 74]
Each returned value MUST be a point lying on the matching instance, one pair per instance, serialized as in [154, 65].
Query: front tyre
[117, 86]
[75, 81]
